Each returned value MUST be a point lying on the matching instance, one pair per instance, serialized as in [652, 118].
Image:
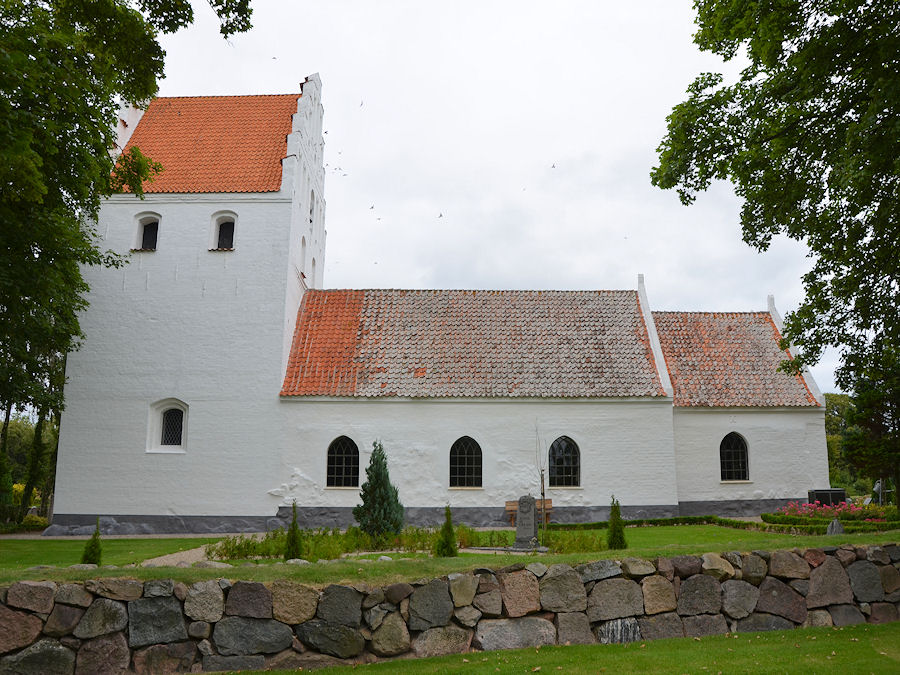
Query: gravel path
[178, 559]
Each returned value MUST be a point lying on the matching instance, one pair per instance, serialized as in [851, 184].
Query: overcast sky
[503, 145]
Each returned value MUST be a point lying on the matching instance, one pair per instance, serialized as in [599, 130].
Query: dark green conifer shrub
[381, 511]
[93, 551]
[292, 546]
[445, 546]
[615, 535]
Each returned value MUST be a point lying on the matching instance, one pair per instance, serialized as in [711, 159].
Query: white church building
[219, 380]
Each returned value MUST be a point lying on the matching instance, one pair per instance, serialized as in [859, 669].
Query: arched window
[221, 236]
[343, 463]
[147, 232]
[312, 205]
[733, 457]
[225, 240]
[465, 463]
[302, 253]
[172, 426]
[565, 463]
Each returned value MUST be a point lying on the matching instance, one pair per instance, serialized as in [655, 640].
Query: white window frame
[140, 220]
[217, 219]
[154, 427]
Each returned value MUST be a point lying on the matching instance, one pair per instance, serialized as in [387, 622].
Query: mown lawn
[855, 649]
[646, 542]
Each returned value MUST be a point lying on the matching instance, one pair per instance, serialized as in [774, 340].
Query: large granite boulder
[598, 570]
[467, 616]
[753, 569]
[441, 641]
[205, 601]
[699, 625]
[659, 595]
[817, 617]
[865, 581]
[104, 655]
[490, 604]
[573, 628]
[520, 592]
[334, 639]
[249, 599]
[35, 596]
[846, 615]
[238, 635]
[687, 565]
[292, 602]
[44, 657]
[788, 565]
[463, 588]
[829, 585]
[614, 599]
[618, 631]
[699, 594]
[116, 588]
[890, 578]
[17, 629]
[159, 588]
[761, 622]
[340, 605]
[739, 598]
[73, 594]
[776, 597]
[562, 590]
[154, 621]
[661, 626]
[397, 592]
[102, 617]
[716, 566]
[637, 568]
[175, 657]
[391, 637]
[217, 662]
[529, 631]
[430, 606]
[62, 620]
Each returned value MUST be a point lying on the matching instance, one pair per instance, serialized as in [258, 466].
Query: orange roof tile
[496, 344]
[216, 143]
[727, 359]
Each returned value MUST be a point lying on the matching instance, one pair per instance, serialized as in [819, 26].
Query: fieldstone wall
[161, 626]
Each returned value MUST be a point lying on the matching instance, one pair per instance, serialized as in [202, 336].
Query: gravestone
[835, 527]
[526, 523]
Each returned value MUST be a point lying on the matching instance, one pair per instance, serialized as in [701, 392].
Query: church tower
[186, 344]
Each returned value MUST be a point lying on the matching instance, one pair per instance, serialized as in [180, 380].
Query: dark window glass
[733, 457]
[565, 463]
[465, 463]
[148, 236]
[172, 423]
[343, 463]
[226, 235]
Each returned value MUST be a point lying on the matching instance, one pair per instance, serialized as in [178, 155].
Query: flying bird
[440, 215]
[371, 207]
[553, 166]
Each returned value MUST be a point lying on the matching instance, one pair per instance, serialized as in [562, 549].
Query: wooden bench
[513, 507]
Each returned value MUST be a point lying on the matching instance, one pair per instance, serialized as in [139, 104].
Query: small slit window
[565, 463]
[149, 233]
[465, 463]
[343, 463]
[733, 457]
[172, 426]
[225, 240]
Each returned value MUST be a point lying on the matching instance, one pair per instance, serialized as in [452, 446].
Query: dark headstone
[526, 523]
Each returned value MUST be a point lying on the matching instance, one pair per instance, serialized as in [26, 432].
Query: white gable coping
[659, 360]
[807, 375]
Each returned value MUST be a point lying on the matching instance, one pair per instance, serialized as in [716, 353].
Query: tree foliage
[841, 473]
[809, 134]
[93, 549]
[381, 511]
[65, 65]
[445, 546]
[615, 533]
[292, 546]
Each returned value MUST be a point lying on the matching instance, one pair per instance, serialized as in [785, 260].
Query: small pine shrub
[381, 511]
[93, 551]
[615, 535]
[445, 547]
[292, 548]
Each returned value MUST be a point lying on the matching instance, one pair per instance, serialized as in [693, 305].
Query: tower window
[172, 425]
[149, 232]
[226, 235]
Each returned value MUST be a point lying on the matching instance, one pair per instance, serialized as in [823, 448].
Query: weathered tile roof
[727, 359]
[518, 344]
[216, 143]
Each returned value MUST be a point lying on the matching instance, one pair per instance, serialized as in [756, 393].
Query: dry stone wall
[162, 626]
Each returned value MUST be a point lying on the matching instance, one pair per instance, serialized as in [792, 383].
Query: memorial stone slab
[526, 523]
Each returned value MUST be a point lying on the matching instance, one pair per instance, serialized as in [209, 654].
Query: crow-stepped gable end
[220, 381]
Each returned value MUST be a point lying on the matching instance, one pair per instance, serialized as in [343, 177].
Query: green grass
[855, 649]
[645, 542]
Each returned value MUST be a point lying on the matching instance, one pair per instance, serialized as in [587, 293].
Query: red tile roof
[501, 344]
[216, 143]
[727, 359]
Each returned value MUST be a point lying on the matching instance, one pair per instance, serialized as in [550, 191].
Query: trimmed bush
[292, 548]
[381, 512]
[615, 535]
[93, 550]
[445, 547]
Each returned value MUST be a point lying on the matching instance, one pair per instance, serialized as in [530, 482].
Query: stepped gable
[455, 343]
[728, 359]
[216, 143]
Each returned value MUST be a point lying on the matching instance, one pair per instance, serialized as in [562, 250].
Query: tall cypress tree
[615, 535]
[381, 511]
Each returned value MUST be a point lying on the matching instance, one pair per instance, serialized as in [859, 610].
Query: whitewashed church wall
[203, 327]
[786, 454]
[625, 448]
